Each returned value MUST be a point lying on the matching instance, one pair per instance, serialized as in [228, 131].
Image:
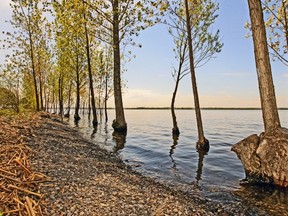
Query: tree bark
[264, 157]
[67, 114]
[175, 129]
[77, 105]
[33, 68]
[263, 67]
[202, 143]
[119, 124]
[60, 93]
[106, 98]
[95, 121]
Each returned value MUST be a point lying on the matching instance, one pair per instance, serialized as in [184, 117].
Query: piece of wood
[30, 208]
[7, 172]
[17, 160]
[24, 190]
[10, 178]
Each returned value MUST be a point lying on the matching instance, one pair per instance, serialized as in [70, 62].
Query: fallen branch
[25, 190]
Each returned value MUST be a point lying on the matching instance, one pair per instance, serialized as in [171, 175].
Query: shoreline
[89, 180]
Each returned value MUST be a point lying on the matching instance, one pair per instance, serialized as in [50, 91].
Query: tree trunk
[41, 93]
[264, 157]
[67, 114]
[106, 98]
[77, 105]
[202, 143]
[60, 94]
[33, 68]
[95, 121]
[263, 67]
[175, 129]
[119, 124]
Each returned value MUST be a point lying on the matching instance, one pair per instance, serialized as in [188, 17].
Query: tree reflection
[120, 140]
[173, 147]
[76, 123]
[272, 200]
[202, 154]
[95, 129]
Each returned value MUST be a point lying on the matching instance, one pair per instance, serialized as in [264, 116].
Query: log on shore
[265, 157]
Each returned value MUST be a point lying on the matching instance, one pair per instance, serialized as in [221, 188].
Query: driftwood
[19, 193]
[265, 157]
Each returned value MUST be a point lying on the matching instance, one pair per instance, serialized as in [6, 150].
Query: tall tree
[70, 46]
[263, 157]
[263, 67]
[91, 86]
[118, 21]
[27, 17]
[191, 10]
[205, 42]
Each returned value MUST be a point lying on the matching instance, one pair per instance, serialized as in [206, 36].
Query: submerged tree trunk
[33, 68]
[60, 94]
[175, 129]
[77, 105]
[106, 98]
[202, 143]
[119, 124]
[95, 121]
[67, 114]
[264, 158]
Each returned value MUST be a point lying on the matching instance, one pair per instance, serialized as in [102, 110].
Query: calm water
[150, 149]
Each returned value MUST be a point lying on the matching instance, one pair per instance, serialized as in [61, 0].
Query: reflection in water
[222, 167]
[76, 123]
[266, 198]
[171, 152]
[120, 139]
[202, 154]
[94, 132]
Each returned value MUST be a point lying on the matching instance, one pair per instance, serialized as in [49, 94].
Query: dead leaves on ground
[19, 193]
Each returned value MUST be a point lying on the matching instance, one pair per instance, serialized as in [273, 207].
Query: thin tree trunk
[33, 69]
[77, 105]
[119, 124]
[106, 98]
[202, 143]
[89, 105]
[263, 67]
[41, 94]
[175, 129]
[67, 114]
[60, 94]
[95, 121]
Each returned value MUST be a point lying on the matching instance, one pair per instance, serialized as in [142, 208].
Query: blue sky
[229, 80]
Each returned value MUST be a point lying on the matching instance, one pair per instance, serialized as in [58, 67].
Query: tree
[264, 157]
[91, 86]
[70, 46]
[118, 21]
[205, 42]
[277, 28]
[193, 12]
[30, 41]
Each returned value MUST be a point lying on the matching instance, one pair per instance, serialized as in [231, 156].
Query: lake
[150, 149]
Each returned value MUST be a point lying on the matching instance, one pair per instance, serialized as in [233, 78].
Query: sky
[228, 80]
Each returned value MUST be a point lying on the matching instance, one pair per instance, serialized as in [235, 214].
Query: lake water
[150, 149]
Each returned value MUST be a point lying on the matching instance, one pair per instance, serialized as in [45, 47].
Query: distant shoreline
[204, 108]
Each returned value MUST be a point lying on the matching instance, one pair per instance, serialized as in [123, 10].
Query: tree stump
[265, 157]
